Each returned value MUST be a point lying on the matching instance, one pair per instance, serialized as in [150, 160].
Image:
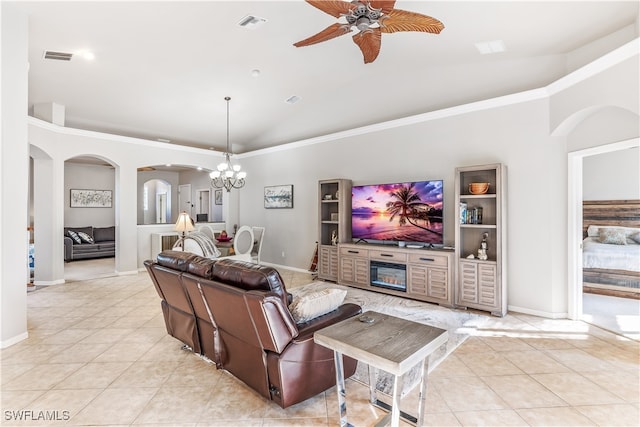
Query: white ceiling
[162, 69]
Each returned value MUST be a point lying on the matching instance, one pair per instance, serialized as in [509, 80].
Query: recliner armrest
[345, 311]
[68, 248]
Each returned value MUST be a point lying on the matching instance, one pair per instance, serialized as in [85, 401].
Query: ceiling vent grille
[59, 56]
[251, 21]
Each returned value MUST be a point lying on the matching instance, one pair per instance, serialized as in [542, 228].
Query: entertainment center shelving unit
[425, 274]
[441, 276]
[335, 219]
[482, 283]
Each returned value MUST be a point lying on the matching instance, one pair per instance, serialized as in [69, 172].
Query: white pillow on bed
[594, 230]
[612, 236]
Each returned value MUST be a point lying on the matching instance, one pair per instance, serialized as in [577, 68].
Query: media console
[421, 274]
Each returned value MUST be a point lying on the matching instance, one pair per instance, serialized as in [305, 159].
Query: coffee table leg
[424, 372]
[341, 389]
[373, 380]
[395, 404]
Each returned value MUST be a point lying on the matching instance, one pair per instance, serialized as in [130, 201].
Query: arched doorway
[89, 193]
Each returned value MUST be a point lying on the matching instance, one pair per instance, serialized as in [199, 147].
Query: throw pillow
[85, 237]
[74, 236]
[635, 237]
[613, 236]
[315, 304]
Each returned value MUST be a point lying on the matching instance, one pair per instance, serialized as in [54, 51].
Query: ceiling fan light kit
[371, 19]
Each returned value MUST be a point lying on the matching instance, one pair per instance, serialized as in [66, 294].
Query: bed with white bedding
[611, 247]
[610, 257]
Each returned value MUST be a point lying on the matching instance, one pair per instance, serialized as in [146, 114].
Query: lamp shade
[184, 223]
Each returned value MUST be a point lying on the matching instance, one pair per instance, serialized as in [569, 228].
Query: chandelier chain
[227, 175]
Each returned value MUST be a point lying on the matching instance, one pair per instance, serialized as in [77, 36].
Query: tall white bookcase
[481, 283]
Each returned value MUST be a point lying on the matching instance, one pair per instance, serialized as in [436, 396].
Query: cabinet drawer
[353, 252]
[387, 256]
[428, 259]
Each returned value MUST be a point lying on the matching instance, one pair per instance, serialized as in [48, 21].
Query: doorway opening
[609, 313]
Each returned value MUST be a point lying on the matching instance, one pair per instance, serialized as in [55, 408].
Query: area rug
[459, 324]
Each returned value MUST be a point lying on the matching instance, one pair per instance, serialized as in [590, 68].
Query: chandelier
[227, 175]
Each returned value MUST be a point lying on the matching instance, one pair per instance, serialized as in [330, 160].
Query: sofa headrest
[176, 260]
[201, 266]
[249, 276]
[104, 234]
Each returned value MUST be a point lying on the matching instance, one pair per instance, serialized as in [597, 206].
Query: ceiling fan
[371, 18]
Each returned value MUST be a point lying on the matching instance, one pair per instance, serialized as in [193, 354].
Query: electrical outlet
[282, 254]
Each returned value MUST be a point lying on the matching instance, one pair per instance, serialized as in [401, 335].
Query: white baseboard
[14, 340]
[538, 313]
[48, 282]
[126, 273]
[286, 267]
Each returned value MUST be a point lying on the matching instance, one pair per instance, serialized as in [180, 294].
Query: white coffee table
[385, 342]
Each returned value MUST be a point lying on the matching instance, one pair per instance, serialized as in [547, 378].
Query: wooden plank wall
[624, 213]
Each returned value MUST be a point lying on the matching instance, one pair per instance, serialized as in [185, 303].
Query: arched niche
[156, 202]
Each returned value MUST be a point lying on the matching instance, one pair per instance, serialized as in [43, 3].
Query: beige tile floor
[98, 354]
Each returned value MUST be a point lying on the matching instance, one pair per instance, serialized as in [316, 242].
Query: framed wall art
[278, 197]
[218, 197]
[91, 198]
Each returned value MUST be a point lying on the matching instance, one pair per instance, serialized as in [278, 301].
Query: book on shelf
[463, 213]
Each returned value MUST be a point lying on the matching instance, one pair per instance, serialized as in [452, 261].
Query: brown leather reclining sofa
[236, 314]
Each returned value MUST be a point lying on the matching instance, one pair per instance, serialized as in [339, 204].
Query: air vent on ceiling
[251, 21]
[60, 56]
[292, 99]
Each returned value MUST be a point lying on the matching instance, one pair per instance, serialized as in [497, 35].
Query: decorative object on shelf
[371, 18]
[227, 175]
[218, 197]
[484, 247]
[334, 237]
[328, 197]
[91, 198]
[278, 197]
[478, 188]
[334, 216]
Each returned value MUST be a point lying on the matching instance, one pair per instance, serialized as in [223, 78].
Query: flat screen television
[407, 211]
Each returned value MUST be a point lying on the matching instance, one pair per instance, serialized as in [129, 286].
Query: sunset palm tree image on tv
[409, 212]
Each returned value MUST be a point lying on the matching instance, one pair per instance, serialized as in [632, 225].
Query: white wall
[88, 177]
[612, 176]
[14, 175]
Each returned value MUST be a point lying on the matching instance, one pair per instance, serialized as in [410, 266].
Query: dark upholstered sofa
[236, 314]
[104, 243]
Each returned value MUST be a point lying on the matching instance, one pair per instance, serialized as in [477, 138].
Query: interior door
[184, 199]
[203, 202]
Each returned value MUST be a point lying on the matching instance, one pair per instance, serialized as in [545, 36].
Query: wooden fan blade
[328, 33]
[386, 5]
[333, 8]
[369, 43]
[401, 20]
